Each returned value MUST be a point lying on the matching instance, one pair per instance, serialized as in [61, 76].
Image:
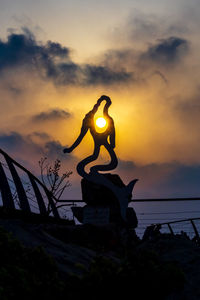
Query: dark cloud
[123, 58]
[64, 73]
[22, 49]
[164, 180]
[55, 149]
[55, 49]
[150, 62]
[167, 50]
[104, 75]
[52, 61]
[71, 73]
[52, 115]
[25, 146]
[11, 141]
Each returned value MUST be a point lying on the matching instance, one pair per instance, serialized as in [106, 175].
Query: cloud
[22, 49]
[104, 75]
[12, 141]
[86, 75]
[63, 73]
[163, 180]
[167, 51]
[147, 27]
[187, 109]
[141, 28]
[55, 149]
[51, 115]
[34, 145]
[156, 59]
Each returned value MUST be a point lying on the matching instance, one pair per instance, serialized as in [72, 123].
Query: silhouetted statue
[100, 139]
[106, 139]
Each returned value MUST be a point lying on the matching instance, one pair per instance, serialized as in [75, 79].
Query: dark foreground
[40, 258]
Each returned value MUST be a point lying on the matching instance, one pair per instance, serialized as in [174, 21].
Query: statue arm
[83, 132]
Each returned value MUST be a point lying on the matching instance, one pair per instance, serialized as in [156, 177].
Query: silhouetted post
[5, 190]
[170, 228]
[195, 229]
[38, 196]
[24, 204]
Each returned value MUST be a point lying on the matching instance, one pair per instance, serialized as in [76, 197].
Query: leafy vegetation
[28, 273]
[139, 276]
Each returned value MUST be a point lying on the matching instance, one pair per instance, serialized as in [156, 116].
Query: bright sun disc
[101, 122]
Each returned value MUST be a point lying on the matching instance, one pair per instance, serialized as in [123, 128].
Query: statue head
[96, 106]
[107, 99]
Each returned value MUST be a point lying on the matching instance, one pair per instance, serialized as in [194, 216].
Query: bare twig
[51, 178]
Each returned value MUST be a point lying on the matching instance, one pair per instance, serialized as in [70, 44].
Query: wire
[162, 219]
[168, 213]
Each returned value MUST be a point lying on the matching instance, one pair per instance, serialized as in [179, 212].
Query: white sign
[96, 215]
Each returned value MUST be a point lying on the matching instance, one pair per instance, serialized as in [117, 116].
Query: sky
[58, 57]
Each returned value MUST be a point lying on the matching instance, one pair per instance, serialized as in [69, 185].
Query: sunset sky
[58, 57]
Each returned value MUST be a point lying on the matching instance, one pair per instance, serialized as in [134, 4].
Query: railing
[7, 197]
[145, 200]
[180, 221]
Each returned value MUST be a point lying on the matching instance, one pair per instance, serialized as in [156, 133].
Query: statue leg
[113, 163]
[81, 165]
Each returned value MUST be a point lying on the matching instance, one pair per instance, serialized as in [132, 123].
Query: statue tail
[124, 195]
[130, 186]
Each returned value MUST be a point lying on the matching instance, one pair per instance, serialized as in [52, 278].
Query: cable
[167, 213]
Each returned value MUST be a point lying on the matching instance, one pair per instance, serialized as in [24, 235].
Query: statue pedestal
[102, 207]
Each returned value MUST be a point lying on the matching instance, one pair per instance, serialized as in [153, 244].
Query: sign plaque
[96, 215]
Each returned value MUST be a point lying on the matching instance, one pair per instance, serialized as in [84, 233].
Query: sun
[101, 122]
